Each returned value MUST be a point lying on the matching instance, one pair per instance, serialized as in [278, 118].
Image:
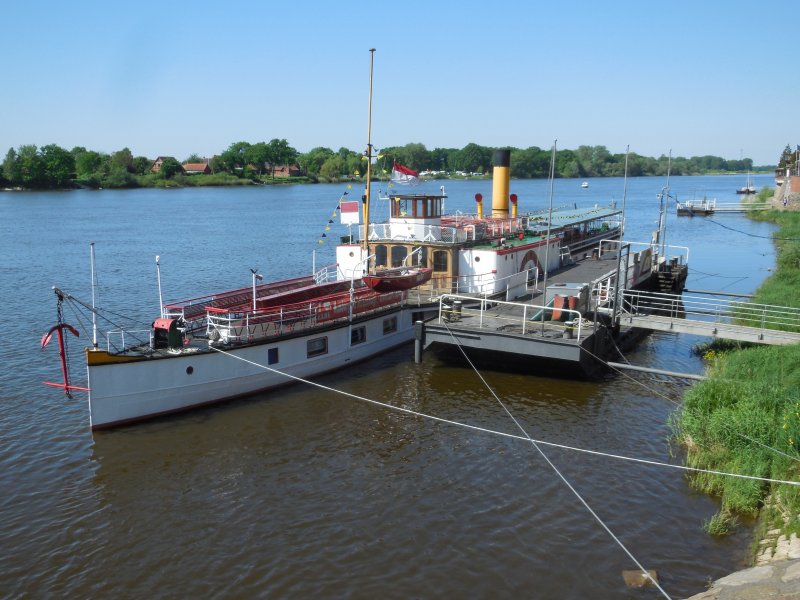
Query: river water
[307, 493]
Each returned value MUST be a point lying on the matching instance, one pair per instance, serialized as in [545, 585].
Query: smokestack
[501, 178]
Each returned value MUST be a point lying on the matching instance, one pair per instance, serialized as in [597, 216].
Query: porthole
[189, 370]
[477, 259]
[352, 254]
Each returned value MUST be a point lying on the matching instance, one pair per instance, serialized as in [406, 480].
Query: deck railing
[713, 309]
[530, 318]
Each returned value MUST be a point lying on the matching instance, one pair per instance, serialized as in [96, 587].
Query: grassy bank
[746, 417]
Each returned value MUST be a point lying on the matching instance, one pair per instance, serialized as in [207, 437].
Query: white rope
[676, 403]
[597, 518]
[415, 413]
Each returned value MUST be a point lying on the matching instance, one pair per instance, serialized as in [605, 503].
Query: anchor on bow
[62, 351]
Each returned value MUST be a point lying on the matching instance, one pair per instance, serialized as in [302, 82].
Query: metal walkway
[705, 207]
[711, 316]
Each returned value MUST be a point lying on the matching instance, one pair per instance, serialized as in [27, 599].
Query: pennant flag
[349, 212]
[404, 175]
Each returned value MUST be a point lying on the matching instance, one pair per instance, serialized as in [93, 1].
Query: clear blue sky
[163, 78]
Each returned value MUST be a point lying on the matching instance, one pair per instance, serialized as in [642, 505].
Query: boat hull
[133, 390]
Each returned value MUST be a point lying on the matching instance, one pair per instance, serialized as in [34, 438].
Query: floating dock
[567, 328]
[706, 207]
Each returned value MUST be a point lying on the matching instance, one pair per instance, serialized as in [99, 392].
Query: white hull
[124, 392]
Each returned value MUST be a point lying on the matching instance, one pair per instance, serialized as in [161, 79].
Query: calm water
[306, 493]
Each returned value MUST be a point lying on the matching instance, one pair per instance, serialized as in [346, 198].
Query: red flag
[404, 175]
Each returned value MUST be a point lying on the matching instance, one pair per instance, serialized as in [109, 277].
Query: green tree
[473, 158]
[281, 153]
[333, 168]
[233, 159]
[11, 167]
[311, 162]
[169, 168]
[124, 159]
[119, 177]
[88, 163]
[58, 165]
[194, 158]
[31, 167]
[256, 156]
[142, 165]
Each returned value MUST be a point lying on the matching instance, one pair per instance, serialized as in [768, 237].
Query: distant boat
[748, 188]
[585, 184]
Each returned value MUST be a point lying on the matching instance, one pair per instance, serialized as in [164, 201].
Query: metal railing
[458, 308]
[476, 286]
[713, 310]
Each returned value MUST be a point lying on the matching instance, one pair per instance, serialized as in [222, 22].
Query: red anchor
[63, 354]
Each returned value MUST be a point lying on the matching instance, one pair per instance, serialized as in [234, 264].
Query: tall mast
[549, 224]
[663, 235]
[94, 288]
[368, 154]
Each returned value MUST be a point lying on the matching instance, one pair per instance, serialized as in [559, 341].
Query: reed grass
[745, 418]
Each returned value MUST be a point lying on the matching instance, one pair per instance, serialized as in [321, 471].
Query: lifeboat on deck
[395, 280]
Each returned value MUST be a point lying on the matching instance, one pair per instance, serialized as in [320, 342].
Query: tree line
[53, 167]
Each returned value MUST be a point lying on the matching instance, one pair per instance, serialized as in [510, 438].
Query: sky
[701, 77]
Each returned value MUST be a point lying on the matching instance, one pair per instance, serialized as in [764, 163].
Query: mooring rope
[415, 413]
[561, 476]
[525, 438]
[677, 403]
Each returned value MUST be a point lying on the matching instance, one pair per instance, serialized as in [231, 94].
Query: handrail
[574, 324]
[701, 308]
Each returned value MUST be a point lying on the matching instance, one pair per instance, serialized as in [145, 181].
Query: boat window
[398, 254]
[389, 325]
[380, 255]
[272, 356]
[358, 335]
[399, 207]
[439, 261]
[317, 346]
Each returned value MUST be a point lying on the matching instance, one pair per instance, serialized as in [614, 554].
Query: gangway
[730, 319]
[706, 207]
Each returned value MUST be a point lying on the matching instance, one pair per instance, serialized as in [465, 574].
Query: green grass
[751, 400]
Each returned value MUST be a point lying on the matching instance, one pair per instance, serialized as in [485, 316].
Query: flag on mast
[349, 212]
[403, 175]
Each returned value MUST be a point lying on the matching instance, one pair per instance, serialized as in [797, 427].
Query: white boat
[748, 188]
[231, 344]
[585, 184]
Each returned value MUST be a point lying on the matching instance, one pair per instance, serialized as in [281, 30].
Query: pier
[706, 207]
[567, 326]
[712, 316]
[576, 324]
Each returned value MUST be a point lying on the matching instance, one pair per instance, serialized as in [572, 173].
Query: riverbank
[746, 418]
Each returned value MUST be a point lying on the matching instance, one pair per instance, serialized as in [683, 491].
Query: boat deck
[515, 332]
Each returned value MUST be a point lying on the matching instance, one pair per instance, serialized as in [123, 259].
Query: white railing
[112, 347]
[714, 310]
[328, 274]
[679, 252]
[531, 318]
[480, 286]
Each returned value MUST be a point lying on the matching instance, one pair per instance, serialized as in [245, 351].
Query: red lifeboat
[396, 280]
